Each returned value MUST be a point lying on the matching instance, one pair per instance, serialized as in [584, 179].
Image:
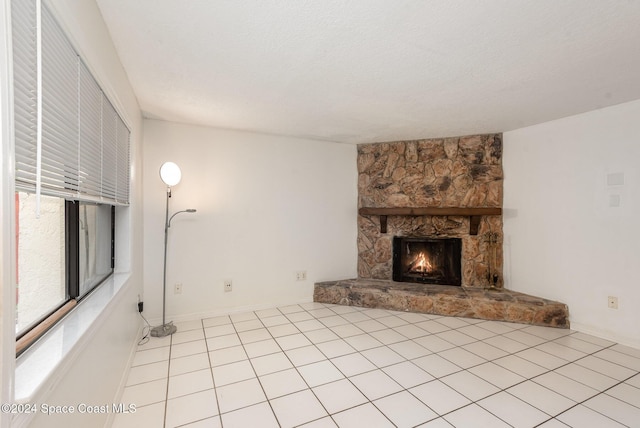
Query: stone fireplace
[455, 173]
[441, 197]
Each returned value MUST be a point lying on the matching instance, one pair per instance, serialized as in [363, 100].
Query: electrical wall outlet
[612, 302]
[177, 289]
[301, 275]
[228, 286]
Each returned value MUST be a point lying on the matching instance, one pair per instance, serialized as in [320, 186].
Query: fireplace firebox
[427, 260]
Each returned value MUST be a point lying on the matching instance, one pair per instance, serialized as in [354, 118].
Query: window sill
[35, 368]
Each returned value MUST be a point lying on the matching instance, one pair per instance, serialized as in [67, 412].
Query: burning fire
[420, 264]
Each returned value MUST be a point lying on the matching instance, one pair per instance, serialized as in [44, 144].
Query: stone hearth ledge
[494, 305]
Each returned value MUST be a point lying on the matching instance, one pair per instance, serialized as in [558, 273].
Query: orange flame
[421, 264]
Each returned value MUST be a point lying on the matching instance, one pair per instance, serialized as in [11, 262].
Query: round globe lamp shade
[170, 173]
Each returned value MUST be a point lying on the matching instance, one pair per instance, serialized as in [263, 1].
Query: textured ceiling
[376, 70]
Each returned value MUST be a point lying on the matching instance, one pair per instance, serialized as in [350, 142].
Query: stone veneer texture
[446, 172]
[474, 302]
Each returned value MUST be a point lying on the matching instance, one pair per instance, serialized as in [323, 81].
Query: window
[41, 287]
[71, 171]
[62, 254]
[95, 244]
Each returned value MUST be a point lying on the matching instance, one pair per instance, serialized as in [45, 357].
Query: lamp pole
[164, 262]
[170, 174]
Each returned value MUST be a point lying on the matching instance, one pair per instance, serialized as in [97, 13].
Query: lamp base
[164, 330]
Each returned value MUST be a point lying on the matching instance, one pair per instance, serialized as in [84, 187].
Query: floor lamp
[171, 175]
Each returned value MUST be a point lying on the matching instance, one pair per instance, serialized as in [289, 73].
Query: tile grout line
[547, 340]
[348, 378]
[532, 379]
[254, 371]
[166, 393]
[304, 380]
[548, 371]
[213, 380]
[476, 402]
[581, 403]
[432, 380]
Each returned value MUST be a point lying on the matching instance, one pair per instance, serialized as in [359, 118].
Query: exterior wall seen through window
[40, 258]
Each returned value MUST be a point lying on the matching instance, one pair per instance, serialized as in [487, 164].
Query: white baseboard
[606, 335]
[224, 311]
[125, 375]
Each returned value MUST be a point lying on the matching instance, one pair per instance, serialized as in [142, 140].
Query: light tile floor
[318, 365]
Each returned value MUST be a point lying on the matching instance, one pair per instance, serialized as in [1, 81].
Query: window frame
[41, 325]
[87, 161]
[72, 249]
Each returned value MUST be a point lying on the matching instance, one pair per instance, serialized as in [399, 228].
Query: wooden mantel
[474, 214]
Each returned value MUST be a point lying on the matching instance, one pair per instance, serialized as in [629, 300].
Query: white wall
[41, 258]
[100, 362]
[268, 206]
[7, 197]
[563, 240]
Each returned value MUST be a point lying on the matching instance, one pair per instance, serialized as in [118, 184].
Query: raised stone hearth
[470, 302]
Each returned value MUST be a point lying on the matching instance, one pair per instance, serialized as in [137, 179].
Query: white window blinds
[23, 17]
[84, 146]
